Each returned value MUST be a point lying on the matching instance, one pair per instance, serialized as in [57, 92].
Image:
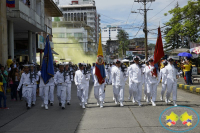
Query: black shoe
[49, 101]
[68, 104]
[26, 104]
[52, 104]
[60, 104]
[33, 104]
[63, 107]
[28, 108]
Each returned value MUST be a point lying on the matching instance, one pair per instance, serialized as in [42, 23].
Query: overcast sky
[117, 12]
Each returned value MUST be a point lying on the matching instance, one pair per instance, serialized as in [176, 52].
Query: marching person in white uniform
[98, 91]
[129, 73]
[119, 79]
[81, 82]
[69, 83]
[172, 77]
[152, 82]
[87, 74]
[145, 79]
[27, 86]
[137, 80]
[111, 80]
[60, 80]
[163, 75]
[34, 79]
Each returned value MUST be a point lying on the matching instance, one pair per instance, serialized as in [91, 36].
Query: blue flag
[47, 71]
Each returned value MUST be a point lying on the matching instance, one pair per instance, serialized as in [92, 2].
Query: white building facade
[110, 33]
[83, 13]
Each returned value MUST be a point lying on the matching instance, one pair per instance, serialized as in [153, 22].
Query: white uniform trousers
[41, 93]
[164, 86]
[61, 94]
[34, 92]
[99, 93]
[130, 90]
[86, 92]
[81, 95]
[44, 93]
[51, 93]
[145, 89]
[137, 91]
[172, 88]
[69, 88]
[27, 94]
[119, 93]
[152, 91]
[110, 78]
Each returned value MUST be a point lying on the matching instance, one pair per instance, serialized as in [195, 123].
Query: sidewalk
[195, 88]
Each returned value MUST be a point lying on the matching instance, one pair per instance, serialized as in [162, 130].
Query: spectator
[9, 61]
[11, 77]
[187, 67]
[17, 78]
[4, 74]
[2, 94]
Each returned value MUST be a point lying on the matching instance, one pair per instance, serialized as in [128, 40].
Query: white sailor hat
[66, 63]
[31, 64]
[170, 59]
[26, 65]
[80, 64]
[150, 58]
[136, 58]
[61, 64]
[118, 60]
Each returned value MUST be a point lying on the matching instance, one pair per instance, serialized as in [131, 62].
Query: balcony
[26, 17]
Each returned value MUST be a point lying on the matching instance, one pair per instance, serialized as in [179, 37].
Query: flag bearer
[60, 80]
[172, 76]
[81, 82]
[98, 91]
[163, 75]
[152, 82]
[27, 87]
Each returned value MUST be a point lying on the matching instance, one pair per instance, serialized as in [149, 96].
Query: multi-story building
[82, 14]
[28, 24]
[109, 33]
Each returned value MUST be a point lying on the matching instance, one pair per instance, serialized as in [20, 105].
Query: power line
[129, 13]
[162, 10]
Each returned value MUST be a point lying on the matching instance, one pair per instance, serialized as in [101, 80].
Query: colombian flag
[99, 68]
[10, 3]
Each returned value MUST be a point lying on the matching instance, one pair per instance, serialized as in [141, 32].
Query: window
[105, 30]
[60, 35]
[78, 35]
[69, 34]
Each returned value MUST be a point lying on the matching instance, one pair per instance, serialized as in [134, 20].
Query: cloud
[116, 12]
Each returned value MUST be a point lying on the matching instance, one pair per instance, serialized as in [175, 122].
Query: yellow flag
[100, 50]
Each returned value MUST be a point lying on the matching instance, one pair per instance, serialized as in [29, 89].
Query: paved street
[110, 119]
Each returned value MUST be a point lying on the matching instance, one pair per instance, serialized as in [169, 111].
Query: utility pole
[144, 2]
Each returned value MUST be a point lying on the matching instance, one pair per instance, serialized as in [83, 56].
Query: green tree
[183, 26]
[123, 40]
[56, 19]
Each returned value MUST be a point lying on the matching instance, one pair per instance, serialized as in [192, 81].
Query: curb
[192, 89]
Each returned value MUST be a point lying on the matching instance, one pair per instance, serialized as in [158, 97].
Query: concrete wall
[3, 33]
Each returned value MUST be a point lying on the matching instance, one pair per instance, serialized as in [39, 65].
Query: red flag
[159, 52]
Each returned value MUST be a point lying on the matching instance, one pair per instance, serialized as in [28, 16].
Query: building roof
[52, 8]
[75, 6]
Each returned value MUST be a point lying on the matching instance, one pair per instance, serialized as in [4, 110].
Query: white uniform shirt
[59, 78]
[163, 75]
[118, 77]
[80, 78]
[34, 79]
[171, 72]
[150, 78]
[137, 74]
[96, 82]
[112, 69]
[25, 80]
